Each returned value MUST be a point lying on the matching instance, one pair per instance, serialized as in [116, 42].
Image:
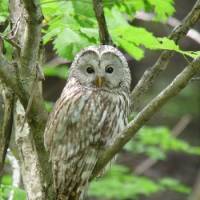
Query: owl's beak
[99, 81]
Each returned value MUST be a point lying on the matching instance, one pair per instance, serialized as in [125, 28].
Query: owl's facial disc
[101, 70]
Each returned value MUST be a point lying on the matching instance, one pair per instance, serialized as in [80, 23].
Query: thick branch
[7, 72]
[32, 37]
[29, 162]
[151, 74]
[8, 75]
[170, 91]
[29, 128]
[103, 30]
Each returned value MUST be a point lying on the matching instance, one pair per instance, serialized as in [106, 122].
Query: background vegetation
[158, 162]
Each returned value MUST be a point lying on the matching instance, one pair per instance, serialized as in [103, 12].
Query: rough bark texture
[29, 162]
[30, 115]
[6, 120]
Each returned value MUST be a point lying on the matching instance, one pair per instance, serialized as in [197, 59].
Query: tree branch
[195, 195]
[151, 74]
[29, 161]
[6, 120]
[172, 21]
[7, 73]
[34, 163]
[103, 30]
[30, 49]
[171, 90]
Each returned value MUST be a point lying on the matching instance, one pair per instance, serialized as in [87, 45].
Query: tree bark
[30, 115]
[6, 121]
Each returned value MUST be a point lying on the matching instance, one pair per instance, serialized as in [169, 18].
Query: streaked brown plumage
[87, 118]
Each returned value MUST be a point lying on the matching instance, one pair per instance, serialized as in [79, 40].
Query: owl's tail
[77, 174]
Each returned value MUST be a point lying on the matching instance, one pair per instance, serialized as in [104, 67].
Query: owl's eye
[90, 70]
[109, 69]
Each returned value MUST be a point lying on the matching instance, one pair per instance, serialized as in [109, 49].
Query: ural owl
[87, 118]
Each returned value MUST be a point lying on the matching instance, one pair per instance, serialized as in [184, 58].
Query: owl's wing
[71, 137]
[72, 125]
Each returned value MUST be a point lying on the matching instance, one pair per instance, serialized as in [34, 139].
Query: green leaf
[114, 18]
[68, 43]
[61, 72]
[4, 10]
[119, 183]
[51, 34]
[19, 194]
[132, 49]
[48, 105]
[83, 8]
[165, 43]
[4, 191]
[156, 142]
[175, 185]
[6, 180]
[137, 35]
[163, 9]
[90, 33]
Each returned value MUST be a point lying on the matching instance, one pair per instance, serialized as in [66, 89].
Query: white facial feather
[98, 58]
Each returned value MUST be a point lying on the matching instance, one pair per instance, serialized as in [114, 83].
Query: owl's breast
[108, 114]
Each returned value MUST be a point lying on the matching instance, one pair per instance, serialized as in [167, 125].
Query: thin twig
[181, 125]
[149, 110]
[152, 73]
[195, 79]
[103, 30]
[12, 42]
[172, 21]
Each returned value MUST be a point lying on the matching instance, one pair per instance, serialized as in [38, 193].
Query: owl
[87, 118]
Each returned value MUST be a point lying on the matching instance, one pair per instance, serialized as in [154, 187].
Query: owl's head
[102, 67]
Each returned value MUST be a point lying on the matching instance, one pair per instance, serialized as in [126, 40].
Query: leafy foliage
[120, 183]
[6, 187]
[187, 100]
[4, 10]
[156, 142]
[48, 106]
[71, 27]
[58, 71]
[161, 9]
